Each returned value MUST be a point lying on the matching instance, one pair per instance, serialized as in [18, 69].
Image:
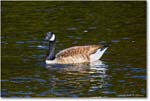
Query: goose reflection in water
[99, 66]
[76, 79]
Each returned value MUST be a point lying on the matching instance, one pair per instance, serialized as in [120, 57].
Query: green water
[120, 73]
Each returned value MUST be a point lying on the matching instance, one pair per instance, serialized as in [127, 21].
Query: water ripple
[139, 77]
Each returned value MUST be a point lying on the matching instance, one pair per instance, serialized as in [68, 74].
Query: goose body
[76, 54]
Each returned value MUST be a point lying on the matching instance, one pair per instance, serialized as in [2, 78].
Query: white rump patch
[52, 38]
[97, 55]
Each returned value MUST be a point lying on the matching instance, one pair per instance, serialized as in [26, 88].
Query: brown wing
[78, 50]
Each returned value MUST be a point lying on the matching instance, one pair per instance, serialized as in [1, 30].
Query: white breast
[50, 61]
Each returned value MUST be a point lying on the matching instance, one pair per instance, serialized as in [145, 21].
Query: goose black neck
[51, 50]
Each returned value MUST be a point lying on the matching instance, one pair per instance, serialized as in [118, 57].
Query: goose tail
[99, 53]
[104, 47]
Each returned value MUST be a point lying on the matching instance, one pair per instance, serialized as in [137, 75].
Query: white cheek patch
[52, 38]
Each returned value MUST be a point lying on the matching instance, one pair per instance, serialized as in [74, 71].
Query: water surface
[121, 72]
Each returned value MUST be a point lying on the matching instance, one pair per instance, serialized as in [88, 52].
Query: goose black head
[50, 36]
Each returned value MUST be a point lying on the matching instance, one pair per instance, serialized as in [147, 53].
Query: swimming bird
[75, 54]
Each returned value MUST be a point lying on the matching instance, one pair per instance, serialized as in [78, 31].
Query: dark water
[120, 73]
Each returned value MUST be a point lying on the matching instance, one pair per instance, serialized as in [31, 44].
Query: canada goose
[76, 54]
